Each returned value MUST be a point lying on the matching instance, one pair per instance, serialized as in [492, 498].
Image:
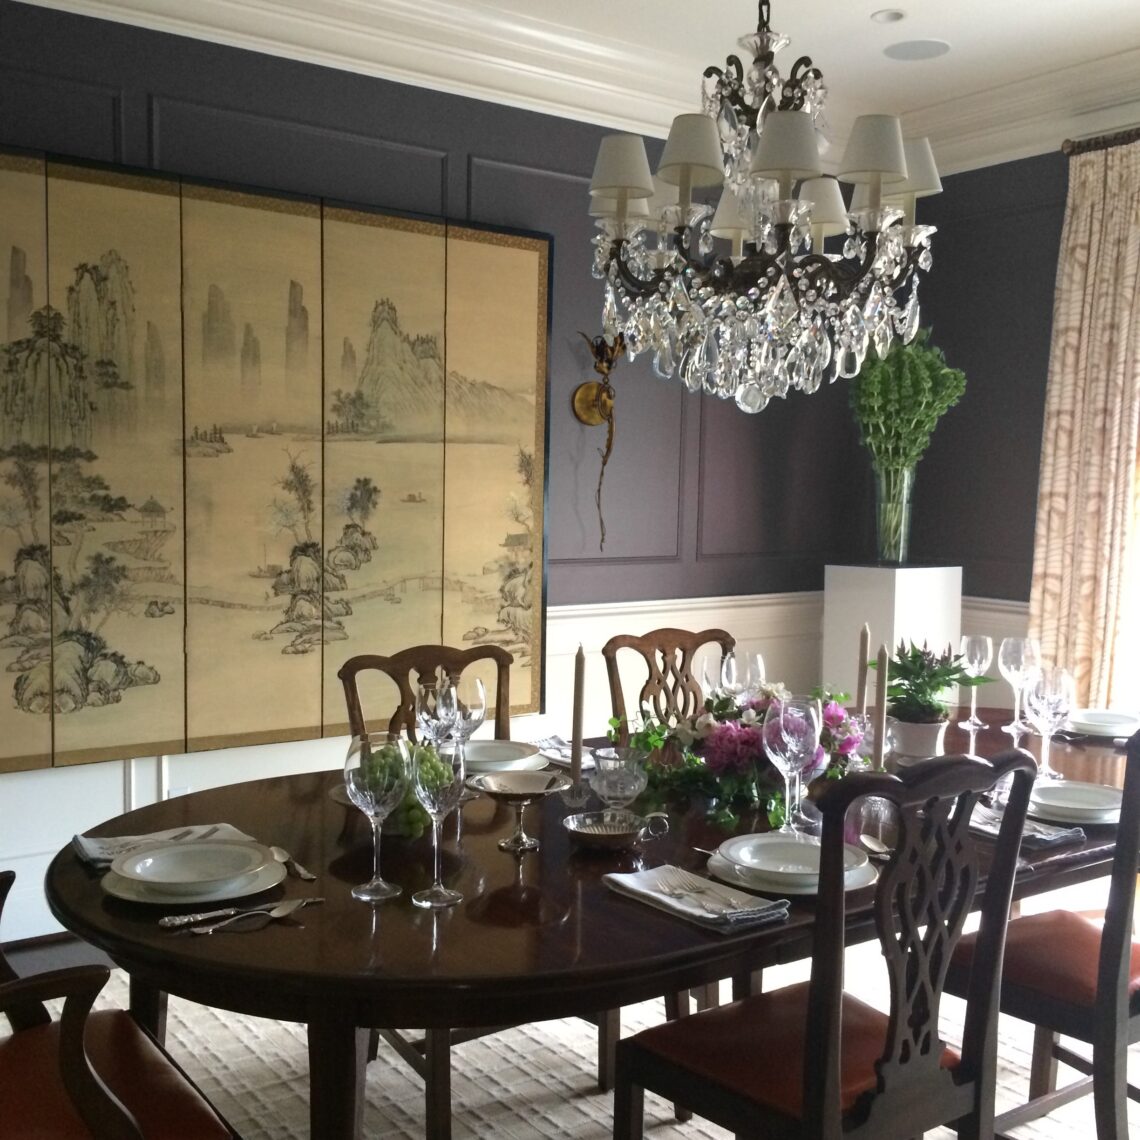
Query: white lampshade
[622, 168]
[827, 209]
[874, 151]
[921, 173]
[787, 147]
[608, 207]
[692, 152]
[729, 221]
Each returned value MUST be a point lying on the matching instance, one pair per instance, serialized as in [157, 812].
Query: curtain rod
[1100, 142]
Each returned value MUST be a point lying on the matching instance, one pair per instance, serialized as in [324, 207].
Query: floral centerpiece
[719, 754]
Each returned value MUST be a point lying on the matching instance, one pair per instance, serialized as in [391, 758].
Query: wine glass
[437, 711]
[619, 775]
[1049, 697]
[977, 653]
[376, 778]
[733, 679]
[1016, 657]
[710, 678]
[755, 680]
[437, 777]
[470, 707]
[791, 736]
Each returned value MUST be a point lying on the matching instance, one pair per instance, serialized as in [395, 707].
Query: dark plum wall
[699, 498]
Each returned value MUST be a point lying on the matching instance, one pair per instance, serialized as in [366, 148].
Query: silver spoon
[291, 864]
[281, 910]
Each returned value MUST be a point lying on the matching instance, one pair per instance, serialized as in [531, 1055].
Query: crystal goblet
[437, 777]
[376, 778]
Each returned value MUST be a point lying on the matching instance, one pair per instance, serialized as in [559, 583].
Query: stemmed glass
[977, 653]
[1016, 657]
[437, 777]
[1049, 697]
[376, 778]
[791, 736]
[755, 681]
[470, 707]
[733, 680]
[619, 775]
[437, 711]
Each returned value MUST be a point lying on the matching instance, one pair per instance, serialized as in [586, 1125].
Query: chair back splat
[671, 690]
[921, 902]
[412, 667]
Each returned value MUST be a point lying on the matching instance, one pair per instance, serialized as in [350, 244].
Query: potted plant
[897, 400]
[917, 680]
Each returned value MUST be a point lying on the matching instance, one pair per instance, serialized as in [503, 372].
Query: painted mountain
[402, 381]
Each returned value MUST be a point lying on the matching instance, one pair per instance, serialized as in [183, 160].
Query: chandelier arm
[793, 94]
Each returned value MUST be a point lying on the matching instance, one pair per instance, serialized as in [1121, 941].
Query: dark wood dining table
[535, 938]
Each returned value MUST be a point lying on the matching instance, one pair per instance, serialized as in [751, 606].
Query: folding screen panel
[255, 621]
[242, 438]
[116, 472]
[27, 593]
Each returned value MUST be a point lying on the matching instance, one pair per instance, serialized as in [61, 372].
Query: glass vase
[893, 492]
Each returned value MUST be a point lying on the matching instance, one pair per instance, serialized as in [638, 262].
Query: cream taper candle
[576, 740]
[881, 667]
[864, 657]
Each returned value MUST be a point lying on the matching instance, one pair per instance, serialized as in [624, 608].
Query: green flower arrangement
[918, 678]
[897, 400]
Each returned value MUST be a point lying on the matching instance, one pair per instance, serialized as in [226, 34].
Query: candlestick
[576, 740]
[881, 667]
[864, 656]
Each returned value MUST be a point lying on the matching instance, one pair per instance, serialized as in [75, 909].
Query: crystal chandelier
[778, 312]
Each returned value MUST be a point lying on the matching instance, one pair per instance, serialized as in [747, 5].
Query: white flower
[704, 724]
[684, 734]
[749, 716]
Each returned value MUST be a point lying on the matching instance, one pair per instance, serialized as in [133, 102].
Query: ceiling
[1020, 76]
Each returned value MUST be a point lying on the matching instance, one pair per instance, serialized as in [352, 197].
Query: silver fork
[670, 883]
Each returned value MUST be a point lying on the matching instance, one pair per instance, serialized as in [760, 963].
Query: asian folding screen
[243, 438]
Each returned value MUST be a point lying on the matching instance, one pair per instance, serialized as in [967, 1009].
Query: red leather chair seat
[1055, 953]
[755, 1047]
[36, 1107]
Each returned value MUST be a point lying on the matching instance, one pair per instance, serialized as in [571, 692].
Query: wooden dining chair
[809, 1060]
[430, 1055]
[670, 691]
[1070, 976]
[89, 1074]
[418, 665]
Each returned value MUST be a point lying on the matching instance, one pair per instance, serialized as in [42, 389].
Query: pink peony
[733, 747]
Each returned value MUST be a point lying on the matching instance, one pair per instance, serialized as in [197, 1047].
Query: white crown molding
[438, 44]
[1033, 116]
[540, 63]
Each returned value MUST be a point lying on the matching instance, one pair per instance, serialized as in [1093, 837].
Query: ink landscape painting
[243, 438]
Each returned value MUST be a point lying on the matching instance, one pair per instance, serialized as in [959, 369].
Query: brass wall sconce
[593, 404]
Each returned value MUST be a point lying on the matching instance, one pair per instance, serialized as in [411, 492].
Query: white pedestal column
[912, 603]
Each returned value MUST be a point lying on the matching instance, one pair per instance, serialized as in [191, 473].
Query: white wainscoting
[41, 810]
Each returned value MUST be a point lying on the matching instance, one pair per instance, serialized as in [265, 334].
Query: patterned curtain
[1086, 568]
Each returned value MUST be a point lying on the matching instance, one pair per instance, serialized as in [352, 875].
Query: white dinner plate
[1082, 818]
[1103, 722]
[503, 756]
[1075, 797]
[134, 891]
[720, 868]
[193, 866]
[783, 858]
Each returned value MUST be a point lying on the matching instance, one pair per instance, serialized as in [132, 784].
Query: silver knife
[176, 920]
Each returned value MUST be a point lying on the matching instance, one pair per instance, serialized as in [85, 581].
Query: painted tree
[362, 501]
[299, 482]
[101, 591]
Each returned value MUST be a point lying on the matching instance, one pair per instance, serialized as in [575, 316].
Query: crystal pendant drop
[609, 313]
[663, 360]
[750, 397]
[907, 321]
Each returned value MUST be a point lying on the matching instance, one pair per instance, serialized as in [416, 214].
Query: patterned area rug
[532, 1081]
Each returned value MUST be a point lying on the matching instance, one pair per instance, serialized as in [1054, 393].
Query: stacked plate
[503, 756]
[776, 863]
[1072, 802]
[193, 871]
[1103, 722]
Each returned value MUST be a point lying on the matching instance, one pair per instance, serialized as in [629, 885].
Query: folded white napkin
[986, 822]
[103, 851]
[557, 751]
[714, 906]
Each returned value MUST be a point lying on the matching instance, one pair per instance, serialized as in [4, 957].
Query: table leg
[337, 1050]
[437, 1084]
[148, 1008]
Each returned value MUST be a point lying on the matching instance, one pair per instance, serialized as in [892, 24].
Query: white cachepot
[917, 741]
